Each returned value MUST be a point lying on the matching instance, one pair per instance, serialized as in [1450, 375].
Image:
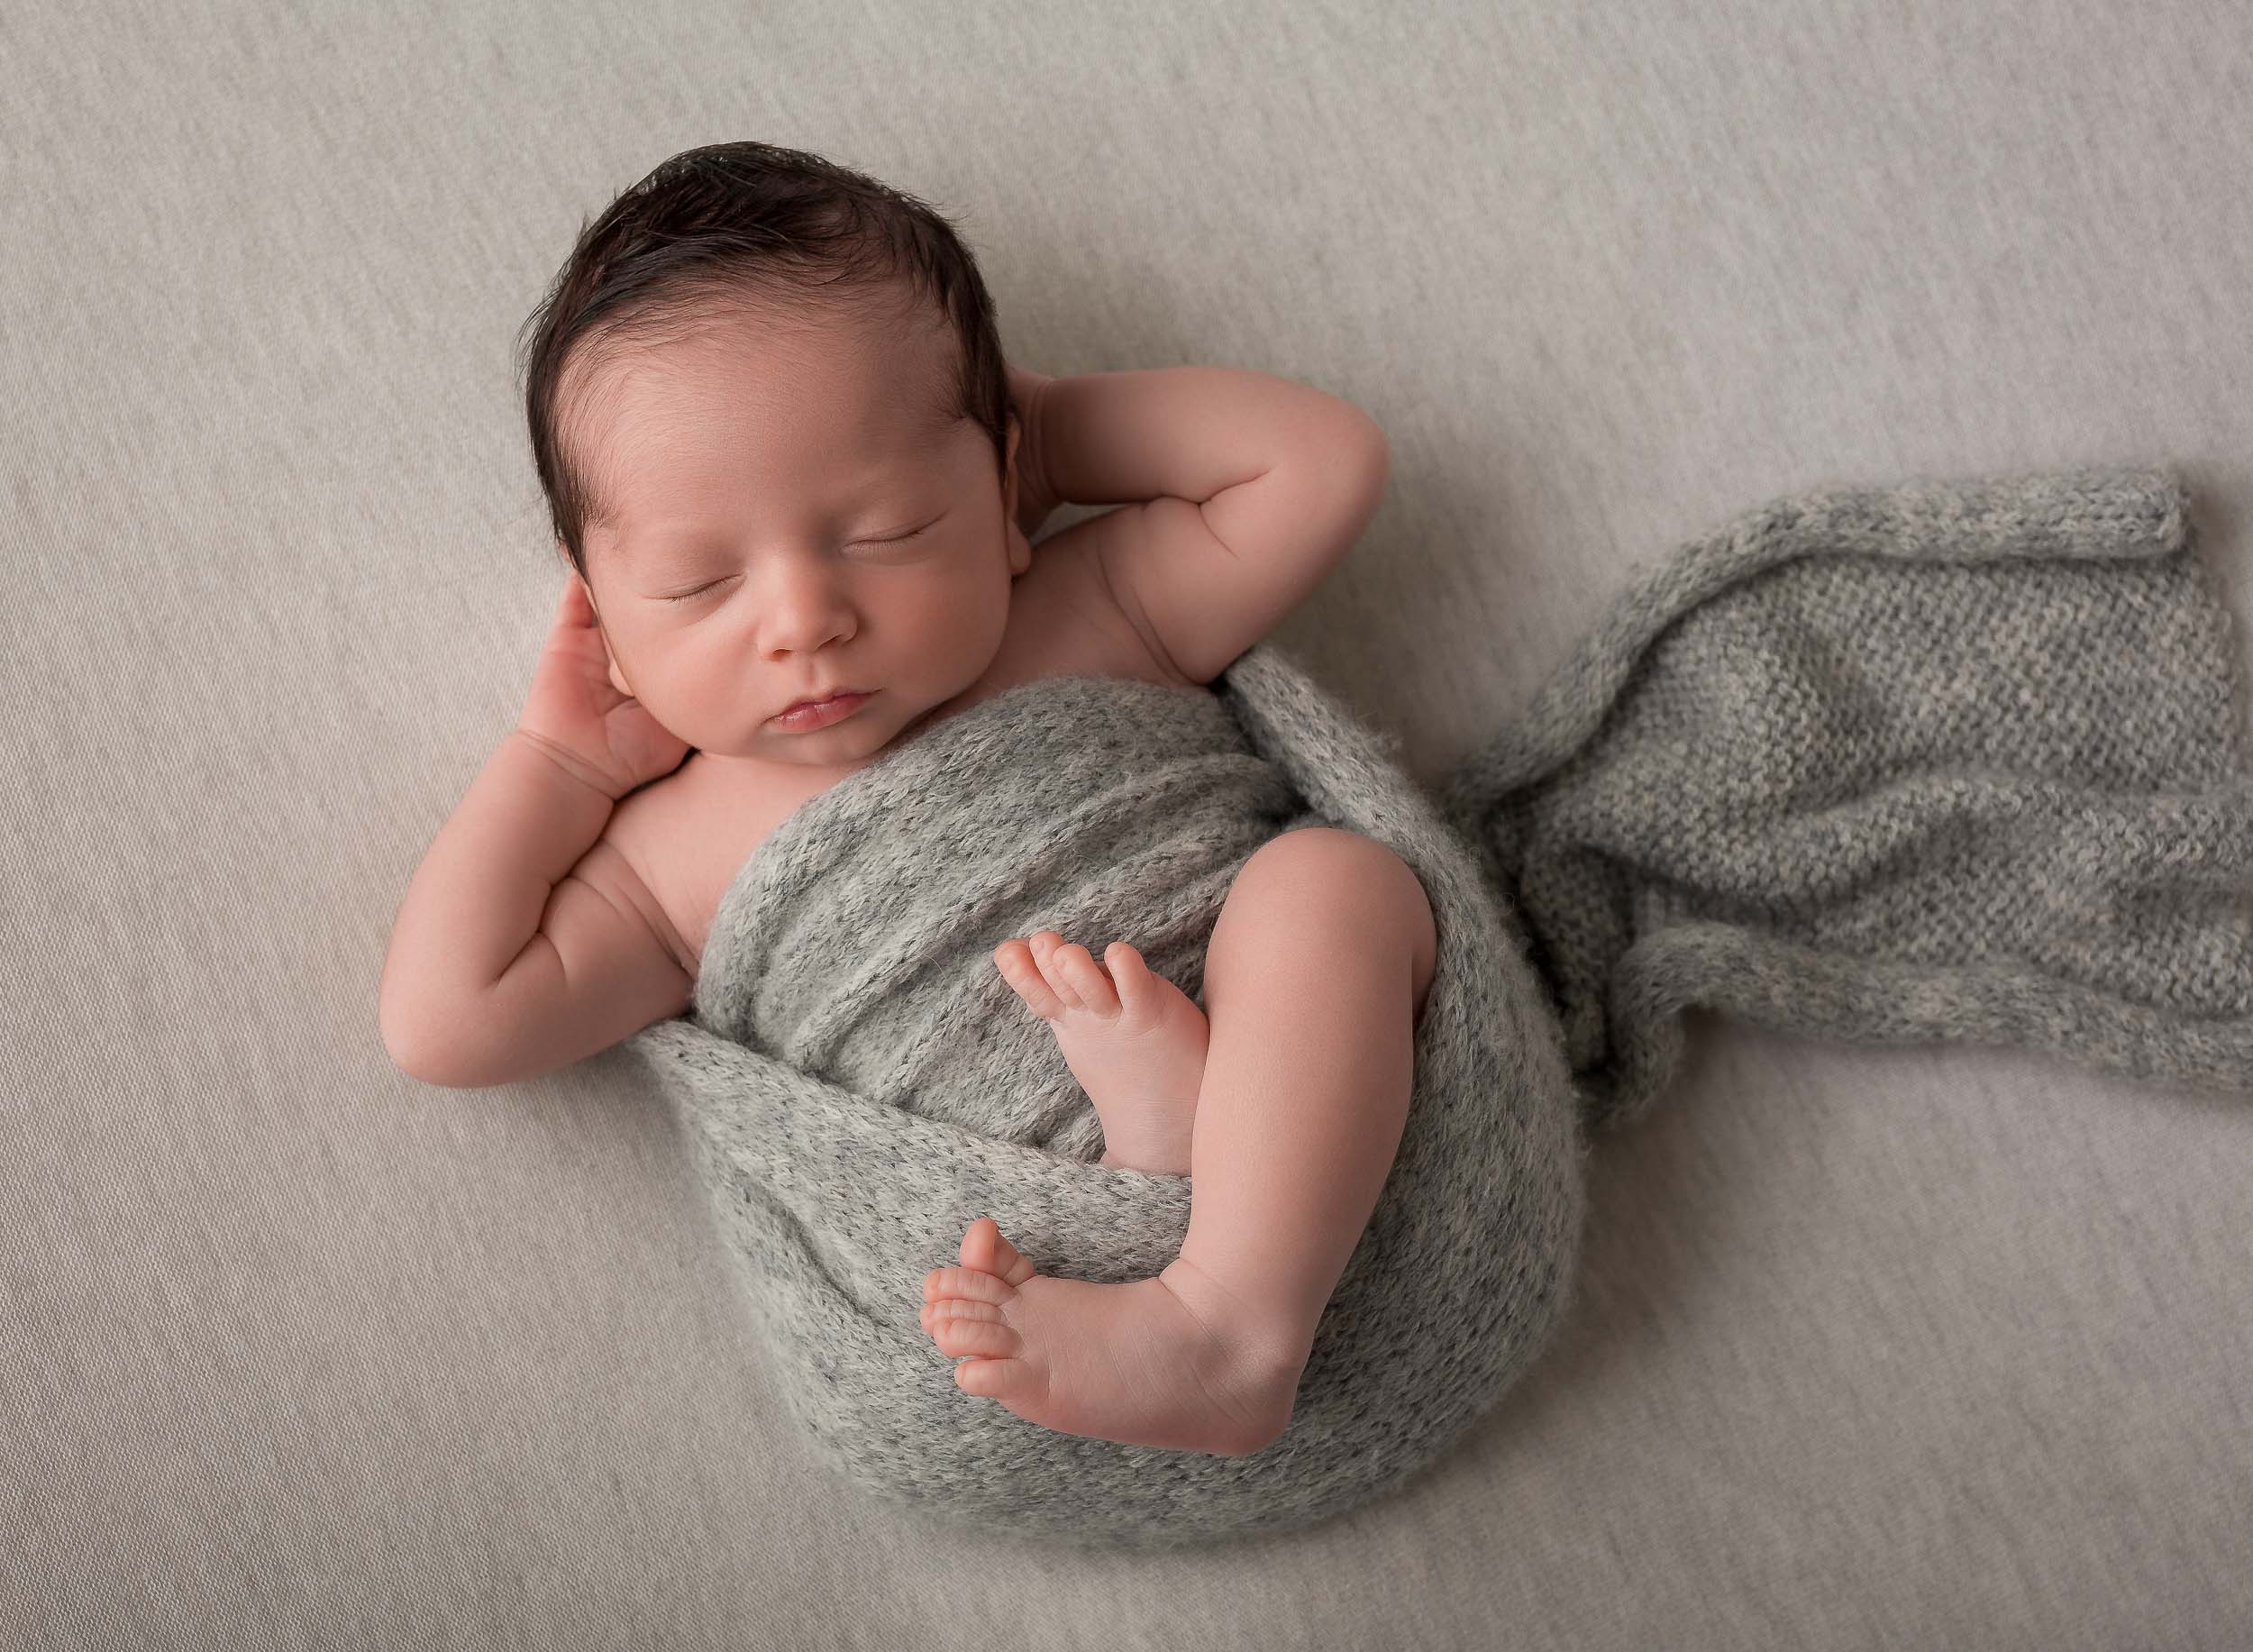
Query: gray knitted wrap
[1945, 761]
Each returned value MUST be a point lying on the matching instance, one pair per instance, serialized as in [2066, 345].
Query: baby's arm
[526, 941]
[1240, 492]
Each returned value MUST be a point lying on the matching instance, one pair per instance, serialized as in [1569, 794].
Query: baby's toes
[1014, 959]
[976, 1284]
[986, 1249]
[1072, 970]
[1003, 1379]
[976, 1330]
[1131, 978]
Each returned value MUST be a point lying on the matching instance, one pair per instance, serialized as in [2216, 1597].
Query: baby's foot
[1134, 1040]
[1171, 1361]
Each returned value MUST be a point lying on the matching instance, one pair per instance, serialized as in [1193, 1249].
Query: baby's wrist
[1036, 497]
[568, 762]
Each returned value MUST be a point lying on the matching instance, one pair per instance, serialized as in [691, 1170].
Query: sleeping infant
[797, 483]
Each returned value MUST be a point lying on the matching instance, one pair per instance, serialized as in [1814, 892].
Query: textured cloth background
[1924, 1346]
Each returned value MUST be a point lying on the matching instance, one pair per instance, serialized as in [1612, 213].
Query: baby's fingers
[575, 608]
[577, 629]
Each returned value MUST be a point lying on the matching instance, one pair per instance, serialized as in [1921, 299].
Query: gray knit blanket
[1943, 761]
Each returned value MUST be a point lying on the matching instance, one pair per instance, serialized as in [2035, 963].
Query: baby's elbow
[423, 1063]
[419, 1070]
[1379, 449]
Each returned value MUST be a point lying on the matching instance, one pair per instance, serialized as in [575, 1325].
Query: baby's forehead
[890, 387]
[634, 513]
[907, 409]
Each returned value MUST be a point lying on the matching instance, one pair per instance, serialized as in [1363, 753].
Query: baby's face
[786, 526]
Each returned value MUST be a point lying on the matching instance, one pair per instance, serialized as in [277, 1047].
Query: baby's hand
[1036, 500]
[581, 714]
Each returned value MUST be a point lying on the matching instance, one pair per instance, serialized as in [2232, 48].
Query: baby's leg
[1314, 978]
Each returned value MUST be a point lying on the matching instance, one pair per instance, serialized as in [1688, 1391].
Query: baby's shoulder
[688, 835]
[1066, 621]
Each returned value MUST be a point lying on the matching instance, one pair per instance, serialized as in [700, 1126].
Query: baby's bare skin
[1134, 1041]
[1310, 1064]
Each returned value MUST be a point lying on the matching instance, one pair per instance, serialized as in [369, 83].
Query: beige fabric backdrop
[1906, 1347]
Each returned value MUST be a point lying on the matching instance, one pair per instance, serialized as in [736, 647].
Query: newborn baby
[781, 483]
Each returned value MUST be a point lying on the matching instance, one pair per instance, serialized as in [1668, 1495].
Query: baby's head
[772, 418]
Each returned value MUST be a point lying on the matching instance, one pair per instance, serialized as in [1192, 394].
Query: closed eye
[894, 540]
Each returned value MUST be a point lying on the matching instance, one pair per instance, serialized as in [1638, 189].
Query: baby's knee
[1347, 870]
[1334, 861]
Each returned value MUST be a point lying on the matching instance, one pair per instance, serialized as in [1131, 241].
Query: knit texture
[1943, 760]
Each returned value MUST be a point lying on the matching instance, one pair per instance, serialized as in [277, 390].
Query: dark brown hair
[731, 223]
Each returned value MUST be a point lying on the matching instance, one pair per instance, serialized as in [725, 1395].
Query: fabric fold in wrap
[1943, 761]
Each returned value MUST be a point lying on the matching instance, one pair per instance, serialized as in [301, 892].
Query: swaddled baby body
[786, 500]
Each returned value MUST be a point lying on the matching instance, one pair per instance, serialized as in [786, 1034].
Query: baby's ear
[617, 677]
